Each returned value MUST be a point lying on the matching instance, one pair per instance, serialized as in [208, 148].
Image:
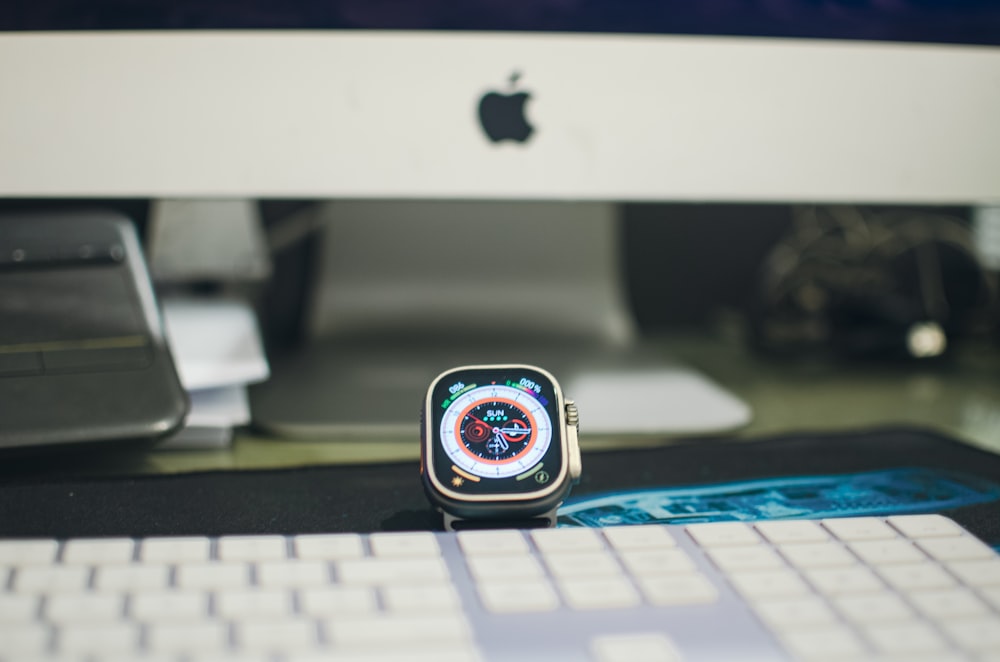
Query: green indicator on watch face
[455, 391]
[531, 472]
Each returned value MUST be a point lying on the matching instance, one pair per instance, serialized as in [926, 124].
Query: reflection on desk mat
[390, 497]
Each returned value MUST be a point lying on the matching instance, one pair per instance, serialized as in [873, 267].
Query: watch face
[495, 431]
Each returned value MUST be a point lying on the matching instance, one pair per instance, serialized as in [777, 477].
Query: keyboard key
[486, 568]
[252, 548]
[730, 559]
[949, 604]
[253, 603]
[589, 564]
[953, 654]
[567, 540]
[24, 640]
[882, 552]
[204, 637]
[329, 546]
[146, 656]
[373, 571]
[818, 555]
[175, 550]
[677, 590]
[54, 579]
[18, 608]
[769, 584]
[831, 642]
[292, 573]
[914, 576]
[980, 634]
[648, 537]
[964, 548]
[977, 573]
[991, 595]
[27, 552]
[869, 608]
[333, 600]
[213, 576]
[859, 528]
[599, 593]
[392, 630]
[723, 534]
[168, 606]
[653, 647]
[98, 639]
[652, 563]
[842, 581]
[431, 597]
[789, 614]
[925, 526]
[913, 637]
[98, 551]
[132, 577]
[85, 608]
[517, 596]
[276, 637]
[404, 545]
[492, 543]
[443, 651]
[781, 532]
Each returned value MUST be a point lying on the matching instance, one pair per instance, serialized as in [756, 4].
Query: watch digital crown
[573, 440]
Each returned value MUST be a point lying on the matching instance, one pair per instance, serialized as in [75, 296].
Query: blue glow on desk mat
[887, 492]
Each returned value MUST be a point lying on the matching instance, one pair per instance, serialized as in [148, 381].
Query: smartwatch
[498, 446]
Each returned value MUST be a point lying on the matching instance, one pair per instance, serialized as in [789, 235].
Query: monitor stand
[408, 289]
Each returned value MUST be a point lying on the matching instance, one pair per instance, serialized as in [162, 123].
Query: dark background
[49, 499]
[684, 263]
[946, 21]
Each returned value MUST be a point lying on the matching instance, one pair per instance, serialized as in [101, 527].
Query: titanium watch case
[531, 507]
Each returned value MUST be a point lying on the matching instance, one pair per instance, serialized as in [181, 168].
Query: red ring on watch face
[476, 431]
[473, 429]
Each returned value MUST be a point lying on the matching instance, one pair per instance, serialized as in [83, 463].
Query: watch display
[495, 432]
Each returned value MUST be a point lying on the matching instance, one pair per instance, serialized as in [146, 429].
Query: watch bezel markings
[559, 425]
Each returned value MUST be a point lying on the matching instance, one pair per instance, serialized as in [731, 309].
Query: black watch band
[543, 521]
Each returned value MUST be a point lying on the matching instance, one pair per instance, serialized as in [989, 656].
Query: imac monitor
[791, 100]
[428, 125]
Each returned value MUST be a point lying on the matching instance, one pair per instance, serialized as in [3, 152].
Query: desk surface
[959, 397]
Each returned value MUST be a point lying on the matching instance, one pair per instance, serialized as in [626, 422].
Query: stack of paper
[217, 351]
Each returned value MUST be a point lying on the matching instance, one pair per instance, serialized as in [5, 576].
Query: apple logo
[501, 114]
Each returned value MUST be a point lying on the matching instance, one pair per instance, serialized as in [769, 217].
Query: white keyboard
[901, 588]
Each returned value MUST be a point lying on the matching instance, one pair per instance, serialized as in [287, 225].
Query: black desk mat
[382, 497]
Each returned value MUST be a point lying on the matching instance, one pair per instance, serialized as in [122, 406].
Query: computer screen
[565, 99]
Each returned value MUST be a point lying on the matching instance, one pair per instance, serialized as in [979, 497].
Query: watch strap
[543, 521]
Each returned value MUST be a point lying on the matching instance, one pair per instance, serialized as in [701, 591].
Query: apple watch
[499, 446]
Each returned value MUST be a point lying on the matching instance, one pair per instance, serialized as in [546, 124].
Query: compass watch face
[495, 431]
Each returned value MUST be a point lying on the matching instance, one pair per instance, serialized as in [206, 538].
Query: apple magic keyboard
[909, 588]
